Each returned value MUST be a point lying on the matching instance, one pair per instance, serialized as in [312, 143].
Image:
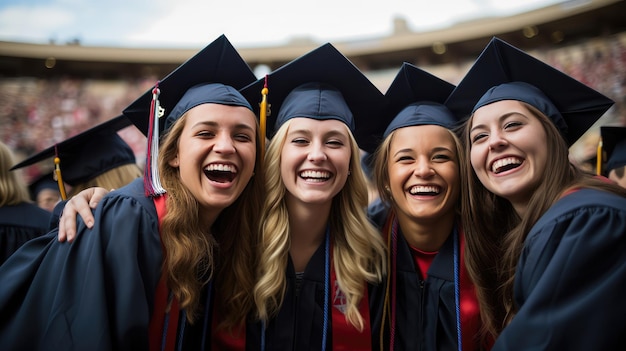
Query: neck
[307, 225]
[426, 234]
[208, 216]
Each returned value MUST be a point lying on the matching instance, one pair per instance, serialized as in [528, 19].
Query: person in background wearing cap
[44, 191]
[148, 275]
[428, 301]
[546, 241]
[20, 219]
[318, 250]
[614, 145]
[95, 157]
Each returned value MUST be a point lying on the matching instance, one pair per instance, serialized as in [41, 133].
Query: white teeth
[424, 189]
[315, 174]
[505, 162]
[221, 167]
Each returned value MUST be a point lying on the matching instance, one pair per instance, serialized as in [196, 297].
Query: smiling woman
[427, 301]
[318, 252]
[545, 241]
[149, 274]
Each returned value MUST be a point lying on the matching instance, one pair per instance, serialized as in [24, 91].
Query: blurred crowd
[35, 113]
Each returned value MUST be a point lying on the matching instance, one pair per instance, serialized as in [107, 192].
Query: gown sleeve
[93, 294]
[571, 278]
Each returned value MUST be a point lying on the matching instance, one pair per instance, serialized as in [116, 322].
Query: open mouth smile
[505, 164]
[425, 190]
[315, 176]
[220, 172]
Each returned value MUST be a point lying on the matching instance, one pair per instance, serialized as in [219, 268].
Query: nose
[423, 168]
[316, 153]
[224, 143]
[497, 140]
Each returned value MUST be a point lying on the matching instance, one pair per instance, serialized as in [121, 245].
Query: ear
[174, 162]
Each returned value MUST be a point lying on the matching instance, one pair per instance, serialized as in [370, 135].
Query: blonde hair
[358, 251]
[13, 190]
[111, 179]
[226, 251]
[495, 234]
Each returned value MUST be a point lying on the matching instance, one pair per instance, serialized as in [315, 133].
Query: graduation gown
[18, 224]
[97, 293]
[570, 281]
[425, 308]
[298, 326]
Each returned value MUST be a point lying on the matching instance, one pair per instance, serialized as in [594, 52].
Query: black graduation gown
[570, 281]
[299, 323]
[96, 293]
[18, 224]
[425, 309]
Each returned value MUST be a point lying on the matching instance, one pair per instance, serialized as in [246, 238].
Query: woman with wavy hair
[428, 301]
[318, 251]
[169, 262]
[545, 241]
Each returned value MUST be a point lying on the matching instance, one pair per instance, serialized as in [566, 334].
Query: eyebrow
[326, 135]
[435, 149]
[215, 124]
[503, 117]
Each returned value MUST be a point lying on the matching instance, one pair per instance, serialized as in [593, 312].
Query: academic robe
[425, 308]
[299, 323]
[18, 224]
[97, 293]
[570, 283]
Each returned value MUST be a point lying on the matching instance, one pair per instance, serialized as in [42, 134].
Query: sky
[246, 23]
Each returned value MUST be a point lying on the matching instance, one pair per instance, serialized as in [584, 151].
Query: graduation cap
[213, 75]
[322, 84]
[88, 154]
[42, 182]
[614, 147]
[416, 97]
[503, 72]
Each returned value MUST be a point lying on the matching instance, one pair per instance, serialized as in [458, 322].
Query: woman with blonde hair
[169, 262]
[20, 219]
[95, 157]
[318, 251]
[545, 241]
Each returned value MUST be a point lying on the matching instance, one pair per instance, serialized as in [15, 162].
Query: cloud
[33, 22]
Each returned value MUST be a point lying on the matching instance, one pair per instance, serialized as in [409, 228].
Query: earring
[387, 188]
[349, 172]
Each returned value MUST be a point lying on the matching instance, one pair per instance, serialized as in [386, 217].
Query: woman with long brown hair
[545, 241]
[169, 261]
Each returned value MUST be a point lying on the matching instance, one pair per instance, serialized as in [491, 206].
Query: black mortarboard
[90, 153]
[42, 182]
[213, 75]
[218, 62]
[614, 146]
[503, 72]
[322, 84]
[416, 97]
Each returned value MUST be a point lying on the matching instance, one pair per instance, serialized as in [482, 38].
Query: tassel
[57, 172]
[263, 117]
[151, 179]
[599, 158]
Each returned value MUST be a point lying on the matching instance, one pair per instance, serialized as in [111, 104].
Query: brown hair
[225, 252]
